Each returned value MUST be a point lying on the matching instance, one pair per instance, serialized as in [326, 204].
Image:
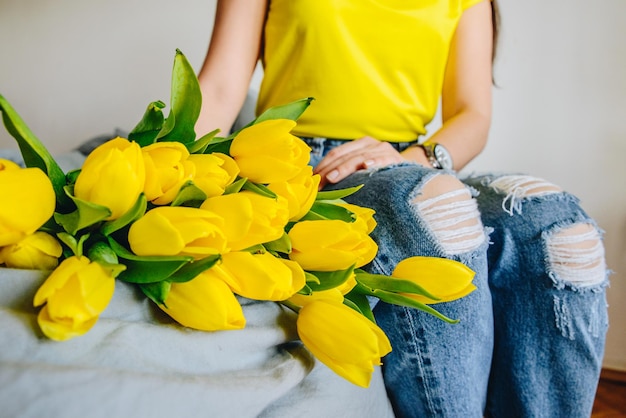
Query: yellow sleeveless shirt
[374, 67]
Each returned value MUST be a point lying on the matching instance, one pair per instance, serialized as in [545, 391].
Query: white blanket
[136, 362]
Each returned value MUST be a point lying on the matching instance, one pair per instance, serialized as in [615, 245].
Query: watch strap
[429, 149]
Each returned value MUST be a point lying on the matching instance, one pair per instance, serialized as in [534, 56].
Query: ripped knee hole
[576, 255]
[448, 208]
[517, 187]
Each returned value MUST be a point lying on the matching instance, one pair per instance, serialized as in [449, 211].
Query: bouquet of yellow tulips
[196, 222]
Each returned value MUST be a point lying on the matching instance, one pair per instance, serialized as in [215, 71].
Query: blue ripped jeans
[531, 337]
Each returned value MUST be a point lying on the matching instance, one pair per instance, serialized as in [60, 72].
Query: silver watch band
[438, 156]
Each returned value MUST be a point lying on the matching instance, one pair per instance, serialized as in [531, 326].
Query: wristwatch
[437, 155]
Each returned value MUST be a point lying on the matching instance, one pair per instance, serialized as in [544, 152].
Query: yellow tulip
[28, 201]
[348, 285]
[205, 303]
[249, 218]
[178, 230]
[446, 279]
[213, 172]
[331, 295]
[300, 192]
[344, 340]
[267, 153]
[259, 276]
[329, 245]
[167, 169]
[113, 175]
[75, 294]
[39, 251]
[6, 165]
[364, 216]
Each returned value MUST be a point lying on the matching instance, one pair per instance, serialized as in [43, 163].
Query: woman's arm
[466, 111]
[230, 61]
[466, 100]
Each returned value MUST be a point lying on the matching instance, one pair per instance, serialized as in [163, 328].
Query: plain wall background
[75, 69]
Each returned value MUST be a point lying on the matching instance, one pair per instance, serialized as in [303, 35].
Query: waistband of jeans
[333, 142]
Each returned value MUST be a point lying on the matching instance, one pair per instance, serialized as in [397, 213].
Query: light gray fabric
[136, 362]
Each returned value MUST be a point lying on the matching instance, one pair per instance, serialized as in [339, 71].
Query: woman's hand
[366, 152]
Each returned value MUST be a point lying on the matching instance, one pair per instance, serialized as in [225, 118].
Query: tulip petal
[344, 340]
[440, 276]
[62, 329]
[205, 303]
[31, 203]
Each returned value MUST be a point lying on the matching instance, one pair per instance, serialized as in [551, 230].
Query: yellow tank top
[374, 67]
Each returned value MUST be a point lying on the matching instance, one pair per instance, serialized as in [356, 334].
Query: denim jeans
[531, 338]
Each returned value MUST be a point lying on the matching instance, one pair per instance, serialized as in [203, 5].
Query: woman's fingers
[359, 154]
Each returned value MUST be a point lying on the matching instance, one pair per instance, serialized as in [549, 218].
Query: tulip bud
[39, 251]
[364, 216]
[167, 169]
[113, 175]
[75, 294]
[28, 201]
[213, 172]
[300, 192]
[173, 230]
[344, 340]
[205, 303]
[249, 218]
[267, 153]
[329, 245]
[447, 279]
[259, 276]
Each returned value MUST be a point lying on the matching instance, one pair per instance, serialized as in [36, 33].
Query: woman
[531, 337]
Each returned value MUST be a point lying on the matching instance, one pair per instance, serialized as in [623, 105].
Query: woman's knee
[451, 214]
[576, 255]
[572, 242]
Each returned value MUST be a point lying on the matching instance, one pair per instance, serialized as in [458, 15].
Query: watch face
[443, 157]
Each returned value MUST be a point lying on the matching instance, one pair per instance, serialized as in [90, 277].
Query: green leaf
[168, 126]
[392, 284]
[259, 189]
[311, 278]
[412, 303]
[306, 290]
[189, 193]
[221, 145]
[85, 215]
[290, 111]
[34, 153]
[185, 102]
[193, 268]
[255, 249]
[147, 129]
[76, 246]
[236, 186]
[281, 245]
[337, 194]
[400, 300]
[147, 269]
[134, 213]
[157, 292]
[71, 176]
[362, 303]
[199, 146]
[330, 279]
[324, 210]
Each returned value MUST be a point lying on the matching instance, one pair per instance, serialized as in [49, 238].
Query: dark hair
[495, 21]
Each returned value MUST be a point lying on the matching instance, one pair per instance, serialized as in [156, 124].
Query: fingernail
[332, 175]
[368, 163]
